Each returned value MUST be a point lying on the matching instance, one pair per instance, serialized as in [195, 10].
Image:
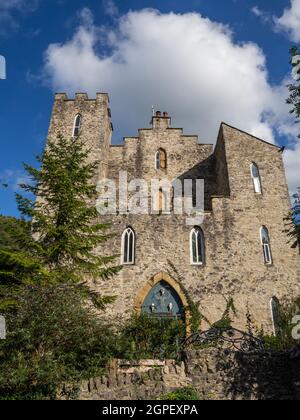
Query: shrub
[52, 339]
[284, 325]
[183, 394]
[145, 337]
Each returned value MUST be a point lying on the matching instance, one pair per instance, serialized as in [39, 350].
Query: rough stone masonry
[234, 214]
[216, 374]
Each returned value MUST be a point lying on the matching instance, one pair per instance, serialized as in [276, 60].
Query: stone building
[240, 249]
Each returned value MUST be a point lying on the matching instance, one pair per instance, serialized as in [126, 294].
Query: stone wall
[144, 380]
[234, 214]
[229, 375]
[216, 374]
[96, 127]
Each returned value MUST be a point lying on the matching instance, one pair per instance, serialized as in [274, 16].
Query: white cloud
[8, 11]
[292, 163]
[185, 64]
[13, 178]
[257, 11]
[265, 17]
[289, 22]
[110, 8]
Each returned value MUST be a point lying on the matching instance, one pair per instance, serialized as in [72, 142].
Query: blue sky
[180, 55]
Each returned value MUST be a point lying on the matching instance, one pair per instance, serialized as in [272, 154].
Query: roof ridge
[251, 135]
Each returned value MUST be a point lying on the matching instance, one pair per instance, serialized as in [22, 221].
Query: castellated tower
[240, 250]
[94, 127]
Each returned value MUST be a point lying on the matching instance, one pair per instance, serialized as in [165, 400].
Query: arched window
[275, 314]
[128, 246]
[256, 178]
[197, 246]
[77, 125]
[160, 159]
[265, 242]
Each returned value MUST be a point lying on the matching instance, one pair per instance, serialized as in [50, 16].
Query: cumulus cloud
[289, 22]
[185, 64]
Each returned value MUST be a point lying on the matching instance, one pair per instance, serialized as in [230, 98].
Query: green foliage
[225, 321]
[17, 266]
[146, 337]
[196, 316]
[273, 343]
[283, 322]
[58, 242]
[64, 219]
[292, 229]
[252, 327]
[54, 336]
[294, 89]
[183, 394]
[284, 325]
[52, 339]
[13, 232]
[17, 270]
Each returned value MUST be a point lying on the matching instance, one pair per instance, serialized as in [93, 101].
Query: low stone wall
[215, 373]
[221, 374]
[143, 380]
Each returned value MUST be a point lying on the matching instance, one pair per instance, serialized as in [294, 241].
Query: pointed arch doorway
[163, 302]
[163, 297]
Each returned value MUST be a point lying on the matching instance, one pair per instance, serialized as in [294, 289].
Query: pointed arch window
[197, 246]
[256, 178]
[265, 242]
[77, 125]
[161, 159]
[128, 246]
[164, 302]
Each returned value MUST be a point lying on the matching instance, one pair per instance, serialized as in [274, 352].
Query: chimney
[161, 121]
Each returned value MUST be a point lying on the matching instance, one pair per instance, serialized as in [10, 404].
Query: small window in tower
[256, 178]
[160, 159]
[128, 247]
[77, 125]
[197, 246]
[266, 248]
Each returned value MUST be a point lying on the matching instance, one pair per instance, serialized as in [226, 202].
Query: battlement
[82, 116]
[232, 260]
[82, 96]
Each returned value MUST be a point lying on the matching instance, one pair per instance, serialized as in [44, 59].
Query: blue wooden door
[163, 301]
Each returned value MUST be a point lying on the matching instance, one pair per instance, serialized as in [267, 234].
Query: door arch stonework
[145, 290]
